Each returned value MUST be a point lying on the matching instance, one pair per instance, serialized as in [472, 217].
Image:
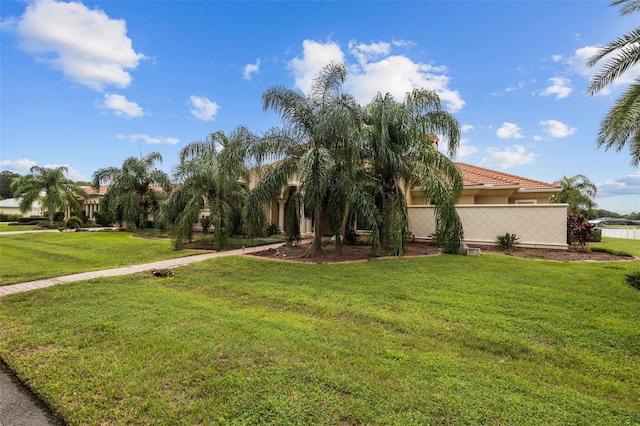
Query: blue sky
[88, 84]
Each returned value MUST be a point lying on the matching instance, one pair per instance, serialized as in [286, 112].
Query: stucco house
[492, 203]
[12, 206]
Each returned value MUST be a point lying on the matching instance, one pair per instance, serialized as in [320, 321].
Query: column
[281, 215]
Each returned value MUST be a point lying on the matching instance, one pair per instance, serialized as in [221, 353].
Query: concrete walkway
[18, 406]
[127, 270]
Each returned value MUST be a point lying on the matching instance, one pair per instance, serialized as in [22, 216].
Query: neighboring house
[603, 221]
[12, 206]
[492, 203]
[91, 204]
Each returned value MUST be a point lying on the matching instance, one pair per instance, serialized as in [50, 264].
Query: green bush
[74, 222]
[205, 221]
[103, 219]
[351, 237]
[8, 217]
[272, 229]
[596, 235]
[36, 219]
[634, 279]
[506, 242]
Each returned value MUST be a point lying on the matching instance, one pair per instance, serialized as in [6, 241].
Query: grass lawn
[33, 256]
[441, 340]
[5, 227]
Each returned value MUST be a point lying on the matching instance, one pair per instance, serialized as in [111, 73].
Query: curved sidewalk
[127, 270]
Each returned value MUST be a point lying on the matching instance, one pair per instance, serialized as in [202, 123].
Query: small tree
[50, 187]
[577, 191]
[578, 232]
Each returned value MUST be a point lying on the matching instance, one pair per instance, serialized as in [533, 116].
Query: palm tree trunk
[343, 229]
[316, 245]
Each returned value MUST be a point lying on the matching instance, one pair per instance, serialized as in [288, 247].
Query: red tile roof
[478, 176]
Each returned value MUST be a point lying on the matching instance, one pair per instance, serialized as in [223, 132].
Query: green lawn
[441, 340]
[5, 227]
[27, 257]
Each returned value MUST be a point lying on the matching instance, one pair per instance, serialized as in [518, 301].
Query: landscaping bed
[361, 253]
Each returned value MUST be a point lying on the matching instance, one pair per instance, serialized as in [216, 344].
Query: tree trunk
[316, 245]
[343, 229]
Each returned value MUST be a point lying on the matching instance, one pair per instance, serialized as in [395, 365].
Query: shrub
[8, 217]
[74, 222]
[634, 279]
[578, 232]
[596, 235]
[438, 238]
[103, 219]
[272, 229]
[24, 220]
[58, 216]
[506, 242]
[205, 221]
[351, 237]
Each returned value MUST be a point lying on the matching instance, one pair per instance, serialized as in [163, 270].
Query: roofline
[555, 190]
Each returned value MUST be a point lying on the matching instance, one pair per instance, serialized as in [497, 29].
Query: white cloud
[85, 44]
[626, 185]
[560, 87]
[556, 58]
[250, 70]
[315, 55]
[515, 155]
[149, 140]
[375, 71]
[509, 131]
[203, 109]
[72, 173]
[403, 43]
[465, 149]
[557, 129]
[466, 127]
[21, 165]
[367, 52]
[120, 106]
[578, 64]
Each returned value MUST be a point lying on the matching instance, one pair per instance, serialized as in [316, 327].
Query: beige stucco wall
[537, 225]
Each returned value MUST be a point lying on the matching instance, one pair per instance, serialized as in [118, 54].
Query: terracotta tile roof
[474, 175]
[91, 190]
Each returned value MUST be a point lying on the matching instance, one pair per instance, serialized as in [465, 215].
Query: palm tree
[402, 152]
[50, 187]
[133, 189]
[319, 145]
[621, 125]
[212, 175]
[577, 191]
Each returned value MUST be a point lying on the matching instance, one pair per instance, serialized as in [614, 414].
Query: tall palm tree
[133, 188]
[402, 152]
[577, 191]
[50, 187]
[212, 175]
[621, 125]
[319, 144]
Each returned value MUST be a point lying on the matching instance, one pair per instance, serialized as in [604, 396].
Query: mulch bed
[362, 253]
